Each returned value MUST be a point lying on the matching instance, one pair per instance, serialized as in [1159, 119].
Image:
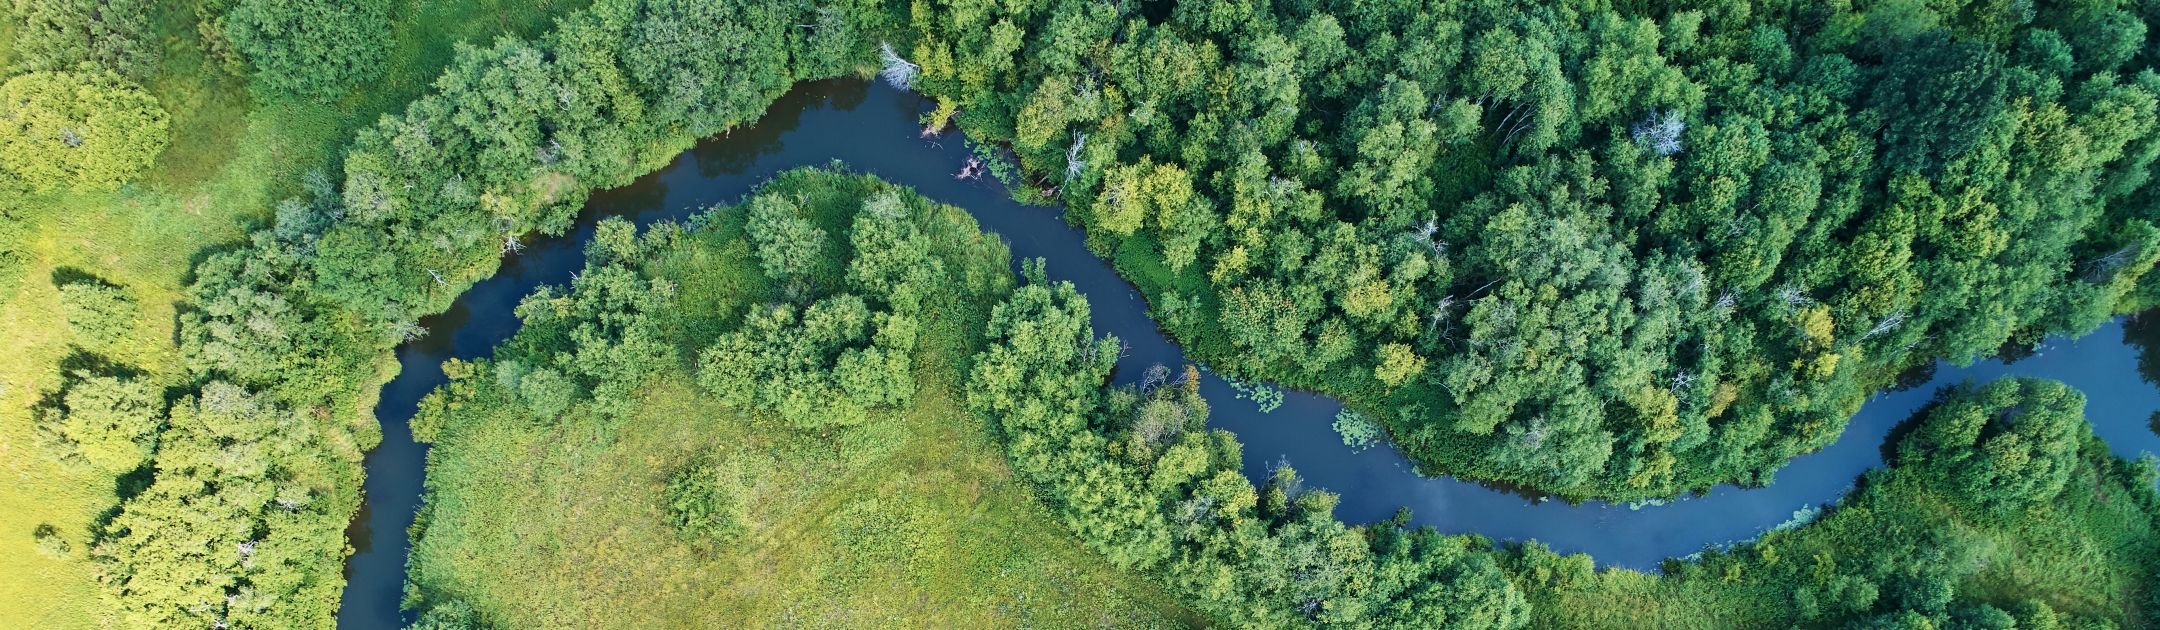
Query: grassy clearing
[911, 521]
[230, 159]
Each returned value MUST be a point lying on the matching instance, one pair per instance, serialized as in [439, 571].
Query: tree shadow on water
[2142, 331]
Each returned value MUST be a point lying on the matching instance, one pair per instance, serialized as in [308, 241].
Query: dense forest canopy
[1601, 249]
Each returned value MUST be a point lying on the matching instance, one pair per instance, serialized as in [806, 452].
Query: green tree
[85, 130]
[789, 247]
[113, 35]
[100, 314]
[2009, 445]
[110, 423]
[240, 527]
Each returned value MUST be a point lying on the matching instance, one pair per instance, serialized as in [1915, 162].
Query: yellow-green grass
[230, 159]
[564, 527]
[914, 520]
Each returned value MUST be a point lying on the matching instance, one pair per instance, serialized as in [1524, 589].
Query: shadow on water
[874, 129]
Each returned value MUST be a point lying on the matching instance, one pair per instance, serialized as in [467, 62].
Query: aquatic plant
[1358, 432]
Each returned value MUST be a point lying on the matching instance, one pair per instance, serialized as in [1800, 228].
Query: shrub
[452, 615]
[49, 541]
[87, 130]
[309, 48]
[2009, 445]
[702, 505]
[99, 313]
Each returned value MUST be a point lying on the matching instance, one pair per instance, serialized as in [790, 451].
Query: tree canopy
[86, 130]
[1614, 251]
[313, 49]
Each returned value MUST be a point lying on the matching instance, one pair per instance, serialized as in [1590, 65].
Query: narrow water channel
[871, 128]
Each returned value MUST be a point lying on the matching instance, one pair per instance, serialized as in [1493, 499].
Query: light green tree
[84, 130]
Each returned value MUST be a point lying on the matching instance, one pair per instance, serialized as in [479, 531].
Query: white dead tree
[1682, 380]
[898, 70]
[1156, 376]
[1073, 164]
[1888, 323]
[1440, 315]
[406, 331]
[2099, 269]
[1661, 131]
[1726, 302]
[1794, 297]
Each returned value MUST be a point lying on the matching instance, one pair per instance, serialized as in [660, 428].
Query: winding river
[872, 128]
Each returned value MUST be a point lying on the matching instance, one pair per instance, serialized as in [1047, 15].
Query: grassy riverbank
[231, 157]
[910, 519]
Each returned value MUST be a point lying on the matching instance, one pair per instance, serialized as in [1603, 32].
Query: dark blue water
[873, 129]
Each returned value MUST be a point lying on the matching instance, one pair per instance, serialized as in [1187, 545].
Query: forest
[1603, 251]
[1599, 250]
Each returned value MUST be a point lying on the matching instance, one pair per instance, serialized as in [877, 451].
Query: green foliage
[85, 130]
[314, 49]
[49, 541]
[1137, 476]
[452, 615]
[892, 259]
[708, 65]
[789, 247]
[100, 313]
[1674, 247]
[703, 504]
[607, 340]
[831, 363]
[231, 531]
[71, 34]
[1358, 432]
[254, 324]
[2010, 446]
[816, 370]
[1916, 545]
[109, 423]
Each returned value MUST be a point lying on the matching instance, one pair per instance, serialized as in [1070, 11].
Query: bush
[99, 313]
[454, 615]
[702, 505]
[309, 48]
[86, 130]
[49, 541]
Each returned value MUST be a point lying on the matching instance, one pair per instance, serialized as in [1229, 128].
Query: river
[872, 128]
